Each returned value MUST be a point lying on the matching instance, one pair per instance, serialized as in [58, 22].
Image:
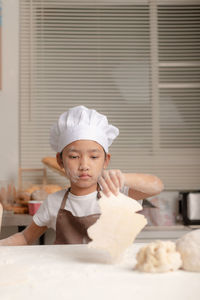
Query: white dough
[158, 256]
[118, 225]
[189, 248]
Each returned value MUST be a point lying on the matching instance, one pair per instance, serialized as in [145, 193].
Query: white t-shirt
[78, 205]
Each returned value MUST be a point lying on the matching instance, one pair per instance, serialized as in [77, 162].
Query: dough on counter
[118, 225]
[189, 248]
[157, 257]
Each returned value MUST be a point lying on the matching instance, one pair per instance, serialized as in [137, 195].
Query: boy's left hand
[111, 181]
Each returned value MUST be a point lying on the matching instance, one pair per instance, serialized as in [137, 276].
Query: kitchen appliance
[189, 207]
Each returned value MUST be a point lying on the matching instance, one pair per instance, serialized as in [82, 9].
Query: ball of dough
[189, 248]
[157, 257]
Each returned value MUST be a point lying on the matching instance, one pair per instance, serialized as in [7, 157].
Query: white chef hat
[81, 123]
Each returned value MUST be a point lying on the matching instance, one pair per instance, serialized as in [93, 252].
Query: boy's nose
[84, 168]
[83, 165]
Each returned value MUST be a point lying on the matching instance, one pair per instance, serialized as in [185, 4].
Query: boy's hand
[111, 181]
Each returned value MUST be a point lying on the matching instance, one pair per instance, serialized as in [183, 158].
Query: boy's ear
[59, 160]
[107, 160]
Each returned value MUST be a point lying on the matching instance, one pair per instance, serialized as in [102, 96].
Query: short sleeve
[42, 216]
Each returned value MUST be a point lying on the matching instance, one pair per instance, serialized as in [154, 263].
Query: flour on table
[189, 248]
[158, 256]
[13, 274]
[118, 225]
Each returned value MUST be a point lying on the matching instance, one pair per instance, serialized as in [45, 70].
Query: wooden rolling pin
[51, 163]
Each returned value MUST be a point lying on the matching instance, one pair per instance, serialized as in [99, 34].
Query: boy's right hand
[111, 181]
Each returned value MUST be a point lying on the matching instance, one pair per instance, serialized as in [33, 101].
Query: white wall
[9, 95]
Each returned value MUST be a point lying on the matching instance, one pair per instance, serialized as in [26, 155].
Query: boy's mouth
[84, 176]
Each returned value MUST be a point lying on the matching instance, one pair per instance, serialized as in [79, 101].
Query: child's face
[84, 161]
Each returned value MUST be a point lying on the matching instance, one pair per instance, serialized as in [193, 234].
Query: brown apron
[71, 229]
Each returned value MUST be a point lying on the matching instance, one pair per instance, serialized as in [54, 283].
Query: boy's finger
[111, 178]
[121, 178]
[114, 178]
[104, 186]
[114, 189]
[108, 186]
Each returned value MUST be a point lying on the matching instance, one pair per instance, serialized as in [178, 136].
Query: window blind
[131, 60]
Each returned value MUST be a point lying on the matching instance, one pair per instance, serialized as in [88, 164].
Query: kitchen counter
[173, 232]
[11, 219]
[77, 272]
[149, 233]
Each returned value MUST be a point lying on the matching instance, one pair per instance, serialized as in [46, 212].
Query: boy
[81, 138]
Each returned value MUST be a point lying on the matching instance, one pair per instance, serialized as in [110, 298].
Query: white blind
[135, 61]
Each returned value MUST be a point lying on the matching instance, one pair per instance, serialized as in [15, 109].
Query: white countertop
[77, 272]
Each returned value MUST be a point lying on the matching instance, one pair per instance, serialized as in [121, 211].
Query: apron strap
[64, 199]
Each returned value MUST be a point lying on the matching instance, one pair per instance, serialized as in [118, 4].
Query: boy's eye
[94, 157]
[73, 156]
